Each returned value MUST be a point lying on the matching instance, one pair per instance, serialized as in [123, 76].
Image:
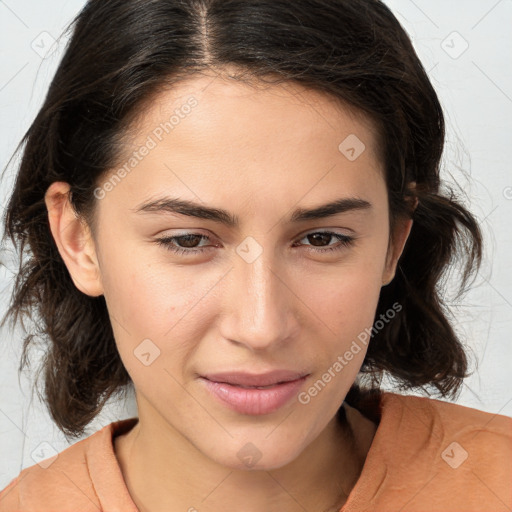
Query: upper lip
[252, 379]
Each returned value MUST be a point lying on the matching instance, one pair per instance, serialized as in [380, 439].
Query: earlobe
[73, 239]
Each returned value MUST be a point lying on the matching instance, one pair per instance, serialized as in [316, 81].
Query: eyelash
[167, 243]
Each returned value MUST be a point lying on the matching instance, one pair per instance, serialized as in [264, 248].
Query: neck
[164, 471]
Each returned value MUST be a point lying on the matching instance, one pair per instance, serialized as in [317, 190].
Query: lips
[251, 380]
[254, 400]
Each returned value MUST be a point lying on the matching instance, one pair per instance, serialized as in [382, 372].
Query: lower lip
[251, 400]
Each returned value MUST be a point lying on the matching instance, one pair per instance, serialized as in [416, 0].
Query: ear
[73, 239]
[396, 246]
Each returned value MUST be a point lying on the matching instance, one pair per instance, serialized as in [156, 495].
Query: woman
[235, 206]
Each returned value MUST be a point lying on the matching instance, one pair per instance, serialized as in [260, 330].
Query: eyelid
[207, 233]
[338, 231]
[344, 241]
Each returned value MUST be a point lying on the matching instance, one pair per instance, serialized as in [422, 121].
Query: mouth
[255, 381]
[254, 387]
[254, 399]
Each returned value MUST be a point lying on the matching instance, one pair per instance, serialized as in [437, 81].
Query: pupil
[189, 240]
[319, 237]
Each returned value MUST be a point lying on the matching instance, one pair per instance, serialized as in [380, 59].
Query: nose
[260, 307]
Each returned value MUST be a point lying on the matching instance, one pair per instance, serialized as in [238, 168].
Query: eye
[187, 244]
[320, 237]
[187, 241]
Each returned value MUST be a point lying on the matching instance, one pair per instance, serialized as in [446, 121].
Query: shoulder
[57, 475]
[449, 453]
[66, 475]
[446, 420]
[453, 416]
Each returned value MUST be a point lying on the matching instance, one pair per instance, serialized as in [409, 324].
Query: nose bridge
[260, 308]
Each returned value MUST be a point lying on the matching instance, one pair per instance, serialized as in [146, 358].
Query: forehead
[217, 139]
[216, 107]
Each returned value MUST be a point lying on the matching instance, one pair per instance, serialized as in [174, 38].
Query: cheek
[152, 322]
[156, 301]
[147, 297]
[345, 298]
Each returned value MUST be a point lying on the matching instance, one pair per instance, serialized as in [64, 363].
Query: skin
[259, 152]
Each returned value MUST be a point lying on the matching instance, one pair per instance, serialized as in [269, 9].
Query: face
[191, 294]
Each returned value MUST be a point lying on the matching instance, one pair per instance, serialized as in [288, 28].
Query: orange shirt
[427, 456]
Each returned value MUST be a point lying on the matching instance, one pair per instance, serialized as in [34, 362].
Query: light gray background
[475, 88]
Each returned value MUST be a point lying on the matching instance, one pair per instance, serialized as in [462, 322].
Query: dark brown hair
[123, 52]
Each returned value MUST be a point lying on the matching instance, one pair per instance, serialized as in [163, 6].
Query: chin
[259, 455]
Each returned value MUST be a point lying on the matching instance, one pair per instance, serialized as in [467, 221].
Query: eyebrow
[191, 209]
